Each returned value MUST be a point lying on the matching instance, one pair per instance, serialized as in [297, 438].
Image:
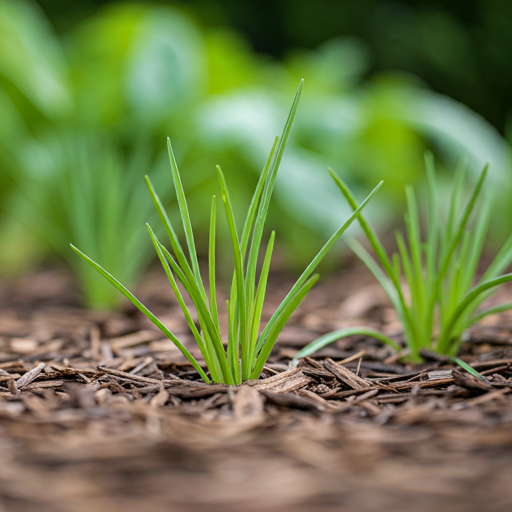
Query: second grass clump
[246, 350]
[432, 280]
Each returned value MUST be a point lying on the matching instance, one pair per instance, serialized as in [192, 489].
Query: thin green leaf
[445, 335]
[207, 355]
[331, 337]
[255, 201]
[490, 311]
[240, 303]
[185, 217]
[469, 369]
[144, 310]
[278, 325]
[211, 263]
[502, 260]
[312, 266]
[433, 223]
[205, 318]
[268, 189]
[260, 297]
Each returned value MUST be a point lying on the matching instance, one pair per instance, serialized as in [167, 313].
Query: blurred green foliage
[85, 114]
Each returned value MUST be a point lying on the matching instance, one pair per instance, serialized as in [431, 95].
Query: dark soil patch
[98, 412]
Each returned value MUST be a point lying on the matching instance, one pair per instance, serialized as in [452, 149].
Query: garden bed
[97, 411]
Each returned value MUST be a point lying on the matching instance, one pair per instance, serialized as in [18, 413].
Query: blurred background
[90, 89]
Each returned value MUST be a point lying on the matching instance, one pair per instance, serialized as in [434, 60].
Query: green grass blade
[368, 231]
[173, 238]
[211, 263]
[259, 299]
[469, 369]
[455, 200]
[205, 318]
[413, 235]
[278, 325]
[433, 223]
[205, 351]
[185, 217]
[331, 337]
[490, 311]
[415, 310]
[267, 193]
[476, 246]
[446, 258]
[240, 303]
[502, 260]
[443, 267]
[233, 353]
[253, 207]
[379, 274]
[381, 255]
[407, 266]
[445, 336]
[312, 266]
[144, 310]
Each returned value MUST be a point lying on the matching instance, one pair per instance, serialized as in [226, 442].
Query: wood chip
[160, 399]
[26, 379]
[23, 345]
[291, 400]
[95, 344]
[131, 340]
[129, 377]
[284, 382]
[248, 403]
[345, 375]
[439, 374]
[467, 381]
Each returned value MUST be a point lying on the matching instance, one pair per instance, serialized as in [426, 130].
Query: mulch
[99, 412]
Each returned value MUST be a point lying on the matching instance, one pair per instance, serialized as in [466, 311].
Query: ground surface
[98, 412]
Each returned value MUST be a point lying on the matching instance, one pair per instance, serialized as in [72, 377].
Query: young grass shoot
[244, 353]
[432, 282]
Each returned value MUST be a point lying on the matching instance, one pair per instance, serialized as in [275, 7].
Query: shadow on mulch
[98, 412]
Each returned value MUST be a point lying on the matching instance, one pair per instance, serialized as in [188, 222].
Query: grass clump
[431, 281]
[246, 350]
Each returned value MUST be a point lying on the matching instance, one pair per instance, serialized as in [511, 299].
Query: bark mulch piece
[98, 412]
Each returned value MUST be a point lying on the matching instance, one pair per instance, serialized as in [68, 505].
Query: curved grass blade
[491, 311]
[444, 337]
[311, 267]
[278, 325]
[144, 310]
[211, 263]
[261, 216]
[381, 254]
[368, 231]
[240, 303]
[469, 369]
[258, 304]
[433, 223]
[173, 238]
[331, 337]
[208, 357]
[446, 258]
[502, 260]
[185, 217]
[205, 319]
[255, 201]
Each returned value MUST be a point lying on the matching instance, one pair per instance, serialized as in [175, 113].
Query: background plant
[247, 350]
[432, 280]
[130, 74]
[107, 219]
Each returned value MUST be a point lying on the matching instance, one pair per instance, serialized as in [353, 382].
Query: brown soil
[98, 412]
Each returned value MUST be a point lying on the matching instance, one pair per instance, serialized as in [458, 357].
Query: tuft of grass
[438, 270]
[246, 350]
